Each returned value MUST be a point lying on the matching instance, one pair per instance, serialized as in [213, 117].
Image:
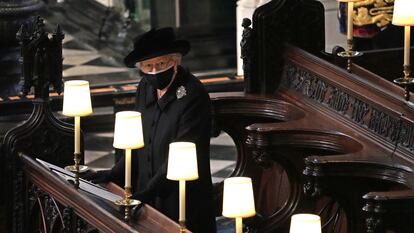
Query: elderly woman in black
[174, 107]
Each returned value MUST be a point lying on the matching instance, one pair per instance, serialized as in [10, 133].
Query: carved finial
[39, 22]
[20, 34]
[41, 59]
[26, 60]
[56, 53]
[58, 34]
[246, 22]
[246, 49]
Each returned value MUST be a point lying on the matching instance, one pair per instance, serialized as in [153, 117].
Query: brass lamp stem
[77, 162]
[406, 81]
[182, 226]
[127, 200]
[182, 205]
[127, 193]
[349, 62]
[239, 225]
[77, 168]
[349, 45]
[407, 71]
[349, 54]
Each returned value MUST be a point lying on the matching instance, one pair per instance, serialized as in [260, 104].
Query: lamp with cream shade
[238, 200]
[305, 223]
[77, 103]
[182, 166]
[404, 16]
[128, 135]
[349, 53]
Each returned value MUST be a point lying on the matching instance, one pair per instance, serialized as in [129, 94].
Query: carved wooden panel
[390, 127]
[42, 136]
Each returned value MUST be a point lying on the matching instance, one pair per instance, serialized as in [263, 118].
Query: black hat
[155, 43]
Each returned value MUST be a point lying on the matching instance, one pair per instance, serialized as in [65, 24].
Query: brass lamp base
[77, 168]
[405, 82]
[182, 226]
[127, 202]
[349, 54]
[72, 168]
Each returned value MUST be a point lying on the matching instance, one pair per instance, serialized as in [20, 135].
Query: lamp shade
[77, 98]
[182, 161]
[238, 200]
[403, 13]
[128, 130]
[309, 223]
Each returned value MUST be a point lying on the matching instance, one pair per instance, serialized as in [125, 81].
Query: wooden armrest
[114, 188]
[391, 195]
[148, 214]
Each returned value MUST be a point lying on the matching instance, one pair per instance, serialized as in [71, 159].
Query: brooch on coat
[181, 92]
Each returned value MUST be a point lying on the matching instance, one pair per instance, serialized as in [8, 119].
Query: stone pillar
[13, 13]
[245, 9]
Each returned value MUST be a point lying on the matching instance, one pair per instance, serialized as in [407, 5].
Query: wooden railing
[53, 204]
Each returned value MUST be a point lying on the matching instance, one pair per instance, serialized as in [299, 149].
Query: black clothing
[182, 114]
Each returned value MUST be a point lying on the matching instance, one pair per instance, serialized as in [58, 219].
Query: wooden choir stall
[316, 138]
[313, 137]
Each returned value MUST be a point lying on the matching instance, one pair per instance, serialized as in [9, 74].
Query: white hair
[177, 57]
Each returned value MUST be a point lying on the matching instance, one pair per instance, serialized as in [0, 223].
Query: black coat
[182, 114]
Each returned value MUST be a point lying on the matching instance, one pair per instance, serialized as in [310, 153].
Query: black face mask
[160, 80]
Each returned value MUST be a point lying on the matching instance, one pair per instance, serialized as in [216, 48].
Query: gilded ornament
[378, 12]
